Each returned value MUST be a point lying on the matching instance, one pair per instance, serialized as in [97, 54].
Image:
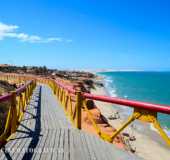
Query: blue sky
[124, 34]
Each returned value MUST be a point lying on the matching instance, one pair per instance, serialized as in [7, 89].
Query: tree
[24, 68]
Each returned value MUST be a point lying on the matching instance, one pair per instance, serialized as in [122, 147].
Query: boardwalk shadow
[31, 133]
[34, 134]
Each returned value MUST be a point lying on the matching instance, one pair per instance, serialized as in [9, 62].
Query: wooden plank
[79, 149]
[60, 149]
[56, 144]
[66, 148]
[46, 146]
[42, 144]
[37, 150]
[96, 148]
[27, 148]
[85, 146]
[51, 145]
[91, 149]
[102, 148]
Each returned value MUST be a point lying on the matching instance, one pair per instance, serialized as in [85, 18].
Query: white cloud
[4, 28]
[10, 31]
[54, 39]
[7, 28]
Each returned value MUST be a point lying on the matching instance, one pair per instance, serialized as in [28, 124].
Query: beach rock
[99, 84]
[132, 138]
[90, 104]
[126, 134]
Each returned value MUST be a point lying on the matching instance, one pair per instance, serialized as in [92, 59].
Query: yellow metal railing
[16, 102]
[74, 102]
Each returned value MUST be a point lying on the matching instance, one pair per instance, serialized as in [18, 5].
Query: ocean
[151, 87]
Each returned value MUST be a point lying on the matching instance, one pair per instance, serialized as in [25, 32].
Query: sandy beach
[147, 144]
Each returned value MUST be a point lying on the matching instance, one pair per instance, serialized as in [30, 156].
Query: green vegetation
[25, 69]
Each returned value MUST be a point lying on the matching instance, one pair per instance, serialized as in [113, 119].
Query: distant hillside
[25, 69]
[5, 65]
[84, 78]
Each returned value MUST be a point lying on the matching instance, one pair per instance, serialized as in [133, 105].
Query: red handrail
[66, 87]
[23, 88]
[5, 97]
[131, 103]
[18, 91]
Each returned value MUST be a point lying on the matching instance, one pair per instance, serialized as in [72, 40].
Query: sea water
[153, 87]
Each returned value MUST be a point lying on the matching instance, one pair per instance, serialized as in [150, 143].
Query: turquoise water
[151, 87]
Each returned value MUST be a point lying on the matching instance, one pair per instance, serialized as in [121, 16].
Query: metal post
[162, 132]
[130, 120]
[14, 113]
[79, 100]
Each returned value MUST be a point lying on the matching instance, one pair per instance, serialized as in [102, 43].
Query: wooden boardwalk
[45, 133]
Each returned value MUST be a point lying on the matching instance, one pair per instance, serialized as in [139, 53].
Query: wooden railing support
[79, 102]
[14, 112]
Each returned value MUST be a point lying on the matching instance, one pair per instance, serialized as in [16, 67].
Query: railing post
[79, 100]
[26, 96]
[14, 112]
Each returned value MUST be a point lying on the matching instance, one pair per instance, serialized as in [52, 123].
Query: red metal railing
[18, 92]
[23, 88]
[66, 87]
[128, 103]
[5, 97]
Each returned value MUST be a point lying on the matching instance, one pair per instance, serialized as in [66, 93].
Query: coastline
[145, 137]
